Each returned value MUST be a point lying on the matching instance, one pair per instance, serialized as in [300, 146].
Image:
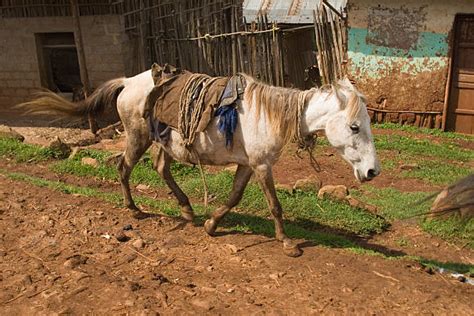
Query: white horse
[268, 119]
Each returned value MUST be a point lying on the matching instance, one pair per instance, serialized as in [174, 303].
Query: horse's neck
[320, 108]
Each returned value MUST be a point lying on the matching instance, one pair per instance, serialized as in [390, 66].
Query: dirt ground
[59, 254]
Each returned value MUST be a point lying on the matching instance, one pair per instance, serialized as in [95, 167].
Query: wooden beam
[80, 47]
[94, 127]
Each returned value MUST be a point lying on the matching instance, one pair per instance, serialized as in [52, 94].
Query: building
[38, 50]
[414, 60]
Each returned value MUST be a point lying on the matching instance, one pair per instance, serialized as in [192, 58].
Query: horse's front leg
[242, 177]
[265, 178]
[162, 163]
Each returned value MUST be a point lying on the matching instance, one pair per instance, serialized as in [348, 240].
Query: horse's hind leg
[162, 163]
[138, 142]
[265, 178]
[242, 177]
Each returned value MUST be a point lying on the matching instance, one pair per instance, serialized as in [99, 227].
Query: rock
[204, 304]
[27, 280]
[74, 261]
[409, 166]
[8, 132]
[159, 278]
[232, 248]
[461, 278]
[127, 227]
[138, 244]
[338, 192]
[90, 162]
[120, 235]
[308, 185]
[59, 146]
[134, 286]
[354, 202]
[142, 187]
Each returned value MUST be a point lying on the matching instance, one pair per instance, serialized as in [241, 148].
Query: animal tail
[50, 103]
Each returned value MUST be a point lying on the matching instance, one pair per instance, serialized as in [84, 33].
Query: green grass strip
[426, 131]
[396, 205]
[22, 152]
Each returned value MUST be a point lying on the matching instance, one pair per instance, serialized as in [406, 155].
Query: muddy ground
[59, 254]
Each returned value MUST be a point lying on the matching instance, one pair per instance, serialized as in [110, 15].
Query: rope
[209, 37]
[308, 142]
[191, 108]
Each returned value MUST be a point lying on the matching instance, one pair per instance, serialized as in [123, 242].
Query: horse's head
[348, 130]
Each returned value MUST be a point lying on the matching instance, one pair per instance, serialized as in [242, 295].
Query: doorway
[460, 115]
[58, 62]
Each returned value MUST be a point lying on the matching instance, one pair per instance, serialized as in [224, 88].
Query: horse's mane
[280, 105]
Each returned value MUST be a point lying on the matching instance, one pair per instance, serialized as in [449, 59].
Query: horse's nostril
[372, 173]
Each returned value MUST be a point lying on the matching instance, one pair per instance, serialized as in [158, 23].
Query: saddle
[220, 99]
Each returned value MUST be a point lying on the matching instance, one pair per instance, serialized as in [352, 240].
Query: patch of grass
[22, 152]
[302, 207]
[142, 173]
[451, 266]
[426, 131]
[394, 204]
[437, 172]
[402, 242]
[423, 147]
[452, 229]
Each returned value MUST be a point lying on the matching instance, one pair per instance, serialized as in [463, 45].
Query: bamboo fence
[331, 42]
[208, 36]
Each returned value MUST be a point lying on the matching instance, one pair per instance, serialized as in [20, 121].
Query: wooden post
[141, 39]
[82, 60]
[233, 29]
[80, 47]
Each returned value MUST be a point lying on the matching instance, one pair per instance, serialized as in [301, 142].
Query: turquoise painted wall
[367, 59]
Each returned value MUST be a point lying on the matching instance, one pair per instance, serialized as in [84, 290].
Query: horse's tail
[50, 103]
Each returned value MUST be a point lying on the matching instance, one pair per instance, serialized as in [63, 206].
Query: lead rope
[307, 143]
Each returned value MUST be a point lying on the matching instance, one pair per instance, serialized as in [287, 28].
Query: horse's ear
[167, 69]
[346, 83]
[341, 97]
[156, 71]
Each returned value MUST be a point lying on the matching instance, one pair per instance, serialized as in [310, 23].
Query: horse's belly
[209, 147]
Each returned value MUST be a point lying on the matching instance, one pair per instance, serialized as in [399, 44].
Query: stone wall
[105, 46]
[399, 54]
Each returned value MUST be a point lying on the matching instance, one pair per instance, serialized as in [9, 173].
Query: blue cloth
[228, 119]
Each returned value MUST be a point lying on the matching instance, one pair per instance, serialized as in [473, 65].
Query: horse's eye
[355, 128]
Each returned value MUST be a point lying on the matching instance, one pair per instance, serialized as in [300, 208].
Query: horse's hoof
[187, 214]
[210, 227]
[139, 215]
[292, 251]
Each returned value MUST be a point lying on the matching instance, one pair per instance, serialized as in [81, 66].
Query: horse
[268, 119]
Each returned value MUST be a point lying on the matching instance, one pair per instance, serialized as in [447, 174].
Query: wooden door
[461, 99]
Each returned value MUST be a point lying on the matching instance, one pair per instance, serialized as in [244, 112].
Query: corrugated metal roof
[286, 11]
